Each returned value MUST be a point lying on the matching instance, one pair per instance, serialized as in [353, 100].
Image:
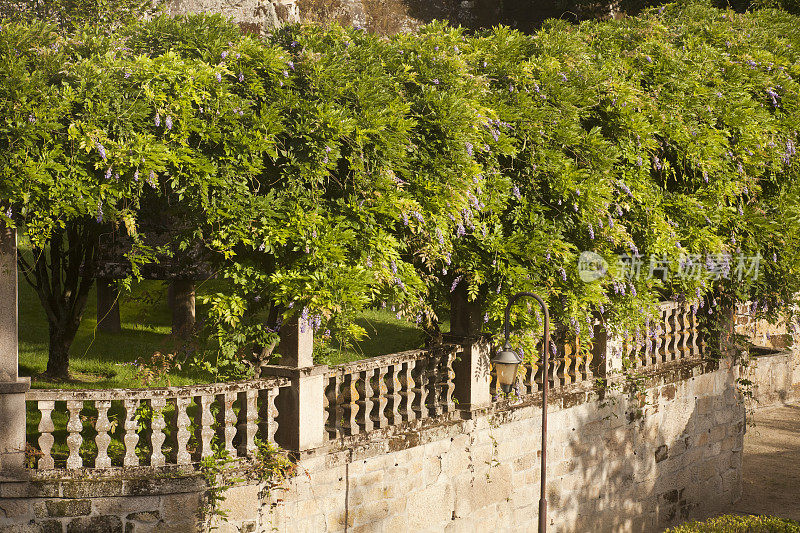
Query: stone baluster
[435, 379]
[567, 363]
[248, 426]
[393, 395]
[587, 373]
[420, 390]
[46, 439]
[227, 429]
[157, 436]
[103, 439]
[685, 321]
[205, 426]
[694, 348]
[182, 434]
[670, 334]
[74, 439]
[364, 402]
[379, 402]
[449, 387]
[408, 386]
[333, 406]
[350, 404]
[555, 370]
[131, 437]
[268, 414]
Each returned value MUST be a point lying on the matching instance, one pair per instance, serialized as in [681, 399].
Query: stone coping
[159, 392]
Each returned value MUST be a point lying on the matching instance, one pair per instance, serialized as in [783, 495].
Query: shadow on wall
[650, 463]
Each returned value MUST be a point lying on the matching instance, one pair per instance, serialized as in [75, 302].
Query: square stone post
[12, 387]
[301, 410]
[473, 374]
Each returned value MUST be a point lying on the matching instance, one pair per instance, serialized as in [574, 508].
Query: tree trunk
[466, 318]
[58, 358]
[62, 273]
[108, 319]
[182, 305]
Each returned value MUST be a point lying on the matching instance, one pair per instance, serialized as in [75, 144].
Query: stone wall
[617, 461]
[775, 376]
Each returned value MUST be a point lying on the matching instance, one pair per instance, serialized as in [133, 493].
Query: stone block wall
[635, 460]
[616, 463]
[774, 376]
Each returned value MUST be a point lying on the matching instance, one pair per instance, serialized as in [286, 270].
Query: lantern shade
[505, 364]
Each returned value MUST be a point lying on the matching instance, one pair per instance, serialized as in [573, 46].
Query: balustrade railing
[389, 390]
[177, 426]
[151, 427]
[674, 336]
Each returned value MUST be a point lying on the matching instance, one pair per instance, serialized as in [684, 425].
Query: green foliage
[740, 524]
[328, 170]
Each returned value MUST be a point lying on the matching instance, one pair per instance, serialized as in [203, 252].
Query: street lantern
[505, 364]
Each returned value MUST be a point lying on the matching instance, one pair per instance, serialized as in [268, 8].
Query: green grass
[385, 334]
[739, 524]
[97, 359]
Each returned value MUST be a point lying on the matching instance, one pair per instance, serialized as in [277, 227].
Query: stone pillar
[108, 306]
[301, 415]
[472, 369]
[12, 387]
[182, 304]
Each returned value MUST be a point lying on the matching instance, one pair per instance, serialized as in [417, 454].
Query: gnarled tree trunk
[62, 275]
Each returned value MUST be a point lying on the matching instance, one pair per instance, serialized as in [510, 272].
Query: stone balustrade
[389, 390]
[178, 426]
[674, 337]
[152, 427]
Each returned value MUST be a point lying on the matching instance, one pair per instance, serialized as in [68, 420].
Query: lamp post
[505, 363]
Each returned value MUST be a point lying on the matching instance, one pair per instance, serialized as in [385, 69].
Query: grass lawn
[102, 360]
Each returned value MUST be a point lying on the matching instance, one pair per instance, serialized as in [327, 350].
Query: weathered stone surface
[95, 524]
[61, 508]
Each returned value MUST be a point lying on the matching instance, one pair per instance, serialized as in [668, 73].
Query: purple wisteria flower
[435, 81]
[108, 173]
[168, 122]
[153, 181]
[394, 267]
[136, 175]
[290, 64]
[224, 54]
[460, 230]
[99, 217]
[455, 283]
[157, 120]
[790, 152]
[468, 145]
[439, 236]
[31, 118]
[100, 149]
[241, 77]
[9, 213]
[218, 76]
[563, 273]
[591, 232]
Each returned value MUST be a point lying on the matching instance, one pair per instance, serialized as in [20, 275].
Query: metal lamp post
[506, 362]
